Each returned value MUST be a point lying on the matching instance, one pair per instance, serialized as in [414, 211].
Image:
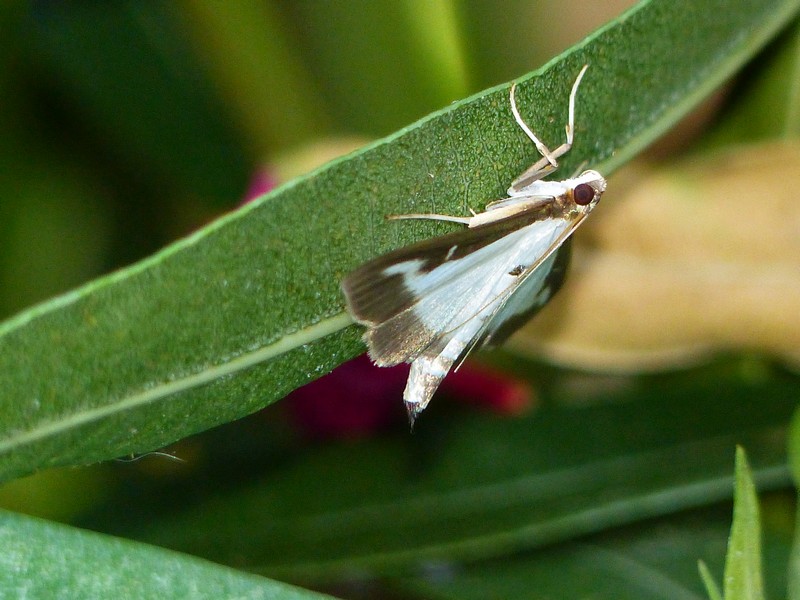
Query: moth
[431, 303]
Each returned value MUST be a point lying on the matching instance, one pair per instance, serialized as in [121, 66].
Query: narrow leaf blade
[712, 588]
[743, 579]
[235, 316]
[45, 560]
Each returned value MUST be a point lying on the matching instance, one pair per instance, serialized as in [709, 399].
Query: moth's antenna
[571, 120]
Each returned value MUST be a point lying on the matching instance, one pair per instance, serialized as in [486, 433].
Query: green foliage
[46, 560]
[476, 487]
[247, 309]
[743, 562]
[160, 103]
[708, 580]
[794, 466]
[743, 577]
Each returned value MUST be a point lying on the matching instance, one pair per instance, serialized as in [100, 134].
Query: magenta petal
[487, 387]
[261, 182]
[354, 399]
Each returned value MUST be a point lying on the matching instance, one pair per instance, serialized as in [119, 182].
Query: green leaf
[743, 579]
[793, 447]
[793, 571]
[477, 487]
[237, 315]
[654, 560]
[45, 560]
[712, 588]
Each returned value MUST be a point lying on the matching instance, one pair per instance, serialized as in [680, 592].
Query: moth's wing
[532, 294]
[415, 297]
[538, 282]
[533, 254]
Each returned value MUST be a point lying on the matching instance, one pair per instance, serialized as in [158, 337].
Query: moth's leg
[432, 217]
[532, 194]
[534, 173]
[548, 162]
[543, 150]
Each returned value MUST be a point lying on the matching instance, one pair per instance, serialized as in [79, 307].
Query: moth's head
[587, 189]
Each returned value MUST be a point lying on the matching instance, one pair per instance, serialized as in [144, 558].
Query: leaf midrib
[242, 362]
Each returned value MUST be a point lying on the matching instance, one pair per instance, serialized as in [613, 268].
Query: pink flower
[355, 399]
[358, 398]
[485, 386]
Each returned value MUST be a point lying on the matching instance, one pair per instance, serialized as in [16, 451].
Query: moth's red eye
[583, 194]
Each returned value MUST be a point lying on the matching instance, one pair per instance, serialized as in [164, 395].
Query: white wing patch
[454, 292]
